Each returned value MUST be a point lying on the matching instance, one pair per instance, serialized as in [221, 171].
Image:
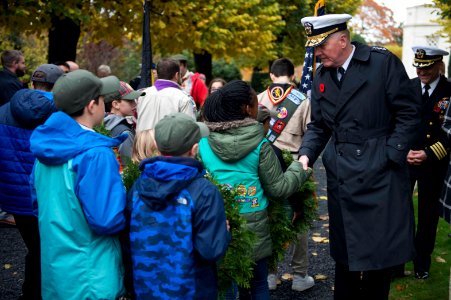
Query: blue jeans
[259, 284]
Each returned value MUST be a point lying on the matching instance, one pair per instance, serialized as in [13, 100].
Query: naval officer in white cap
[429, 156]
[365, 114]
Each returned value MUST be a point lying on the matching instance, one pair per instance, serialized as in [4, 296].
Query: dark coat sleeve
[439, 144]
[210, 235]
[318, 133]
[406, 105]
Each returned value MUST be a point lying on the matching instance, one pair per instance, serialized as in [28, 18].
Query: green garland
[237, 264]
[130, 173]
[282, 230]
[102, 130]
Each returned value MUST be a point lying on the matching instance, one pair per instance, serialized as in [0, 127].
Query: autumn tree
[252, 32]
[223, 28]
[444, 13]
[376, 24]
[291, 39]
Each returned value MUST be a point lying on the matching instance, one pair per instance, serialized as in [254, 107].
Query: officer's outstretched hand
[304, 162]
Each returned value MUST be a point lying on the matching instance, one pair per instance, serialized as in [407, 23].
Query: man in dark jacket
[429, 156]
[364, 103]
[18, 118]
[13, 64]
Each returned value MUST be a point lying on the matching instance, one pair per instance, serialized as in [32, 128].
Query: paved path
[321, 264]
[12, 253]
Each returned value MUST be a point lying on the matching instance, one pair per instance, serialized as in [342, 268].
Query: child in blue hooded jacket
[79, 195]
[178, 227]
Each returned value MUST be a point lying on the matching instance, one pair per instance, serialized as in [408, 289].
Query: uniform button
[340, 153]
[358, 152]
[340, 182]
[399, 146]
[430, 123]
[428, 136]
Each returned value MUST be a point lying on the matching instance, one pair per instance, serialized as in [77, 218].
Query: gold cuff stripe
[439, 150]
[440, 145]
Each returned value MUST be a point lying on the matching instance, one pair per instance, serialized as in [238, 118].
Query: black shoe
[421, 275]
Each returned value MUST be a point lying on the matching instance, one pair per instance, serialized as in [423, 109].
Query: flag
[146, 59]
[309, 66]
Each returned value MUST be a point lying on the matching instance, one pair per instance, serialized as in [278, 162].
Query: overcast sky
[399, 7]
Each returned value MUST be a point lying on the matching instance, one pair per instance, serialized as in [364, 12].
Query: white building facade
[420, 29]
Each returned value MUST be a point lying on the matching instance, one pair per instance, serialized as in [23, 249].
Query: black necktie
[341, 71]
[426, 93]
[334, 74]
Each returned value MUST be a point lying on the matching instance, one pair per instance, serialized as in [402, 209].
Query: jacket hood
[61, 138]
[31, 108]
[232, 141]
[163, 178]
[112, 120]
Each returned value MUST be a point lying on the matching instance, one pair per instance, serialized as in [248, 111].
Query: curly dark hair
[228, 103]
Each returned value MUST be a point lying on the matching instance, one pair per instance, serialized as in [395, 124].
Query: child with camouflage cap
[78, 193]
[178, 226]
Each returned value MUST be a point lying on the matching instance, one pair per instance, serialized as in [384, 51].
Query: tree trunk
[203, 63]
[63, 39]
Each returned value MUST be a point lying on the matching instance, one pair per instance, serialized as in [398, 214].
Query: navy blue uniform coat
[371, 122]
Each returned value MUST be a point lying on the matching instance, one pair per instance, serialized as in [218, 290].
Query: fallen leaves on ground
[440, 259]
[320, 239]
[320, 277]
[287, 276]
[323, 217]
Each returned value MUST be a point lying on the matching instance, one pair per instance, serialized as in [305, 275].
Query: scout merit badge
[286, 100]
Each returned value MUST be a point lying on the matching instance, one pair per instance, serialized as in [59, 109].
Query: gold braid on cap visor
[421, 63]
[316, 39]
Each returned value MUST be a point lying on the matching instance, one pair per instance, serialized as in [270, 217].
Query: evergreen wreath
[237, 264]
[283, 231]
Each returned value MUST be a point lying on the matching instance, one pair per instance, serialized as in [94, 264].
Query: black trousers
[430, 183]
[29, 230]
[355, 285]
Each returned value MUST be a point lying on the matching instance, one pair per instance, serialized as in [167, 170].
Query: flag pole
[146, 59]
[320, 9]
[309, 68]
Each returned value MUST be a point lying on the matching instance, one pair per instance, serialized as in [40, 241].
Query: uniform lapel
[351, 83]
[330, 92]
[438, 90]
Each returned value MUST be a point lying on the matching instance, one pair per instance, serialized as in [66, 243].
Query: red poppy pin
[321, 87]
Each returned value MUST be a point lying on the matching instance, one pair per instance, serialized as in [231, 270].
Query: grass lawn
[437, 286]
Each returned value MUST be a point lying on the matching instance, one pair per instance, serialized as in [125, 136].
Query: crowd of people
[381, 135]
